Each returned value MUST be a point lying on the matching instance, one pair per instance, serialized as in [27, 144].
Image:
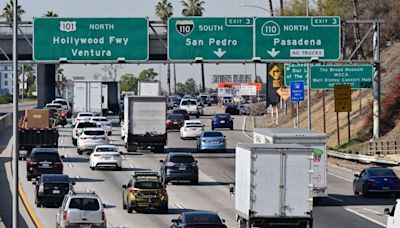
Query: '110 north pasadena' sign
[210, 38]
[90, 39]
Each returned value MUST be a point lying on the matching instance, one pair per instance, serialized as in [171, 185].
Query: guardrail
[362, 158]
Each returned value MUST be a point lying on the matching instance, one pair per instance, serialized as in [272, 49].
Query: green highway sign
[326, 77]
[229, 38]
[90, 39]
[296, 72]
[297, 38]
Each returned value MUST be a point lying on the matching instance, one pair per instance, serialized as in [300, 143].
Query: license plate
[182, 168]
[175, 122]
[222, 121]
[45, 165]
[84, 226]
[385, 188]
[107, 158]
[56, 191]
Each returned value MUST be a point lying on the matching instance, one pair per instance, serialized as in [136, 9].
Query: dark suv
[43, 161]
[179, 166]
[51, 189]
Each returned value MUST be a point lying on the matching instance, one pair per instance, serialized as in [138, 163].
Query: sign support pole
[376, 82]
[297, 114]
[348, 126]
[15, 169]
[337, 127]
[309, 95]
[323, 109]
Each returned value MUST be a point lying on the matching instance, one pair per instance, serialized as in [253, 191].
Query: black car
[51, 189]
[179, 166]
[232, 109]
[175, 121]
[193, 219]
[214, 99]
[181, 111]
[43, 161]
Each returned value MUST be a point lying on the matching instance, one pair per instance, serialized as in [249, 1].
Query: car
[105, 156]
[181, 111]
[214, 99]
[79, 126]
[82, 116]
[81, 209]
[50, 189]
[191, 106]
[175, 121]
[54, 106]
[179, 166]
[376, 180]
[211, 140]
[207, 219]
[205, 99]
[191, 129]
[104, 123]
[227, 100]
[43, 161]
[232, 109]
[65, 105]
[244, 109]
[90, 138]
[175, 102]
[222, 120]
[393, 215]
[145, 191]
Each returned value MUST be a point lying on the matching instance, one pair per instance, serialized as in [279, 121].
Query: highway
[341, 209]
[8, 108]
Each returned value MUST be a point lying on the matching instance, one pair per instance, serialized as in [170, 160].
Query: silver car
[81, 210]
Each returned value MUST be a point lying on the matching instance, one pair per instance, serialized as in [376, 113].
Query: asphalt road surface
[342, 209]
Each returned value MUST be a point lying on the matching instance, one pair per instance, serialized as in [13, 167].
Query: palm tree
[50, 14]
[281, 6]
[8, 12]
[163, 10]
[271, 8]
[25, 69]
[192, 8]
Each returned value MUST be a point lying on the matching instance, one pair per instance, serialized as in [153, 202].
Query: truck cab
[393, 214]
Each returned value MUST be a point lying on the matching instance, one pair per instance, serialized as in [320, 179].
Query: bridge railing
[26, 27]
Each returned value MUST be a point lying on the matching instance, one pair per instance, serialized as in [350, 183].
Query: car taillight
[103, 216]
[65, 215]
[41, 188]
[169, 164]
[58, 163]
[134, 190]
[370, 181]
[97, 155]
[32, 163]
[163, 191]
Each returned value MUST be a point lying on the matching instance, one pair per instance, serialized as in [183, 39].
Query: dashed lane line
[365, 217]
[244, 128]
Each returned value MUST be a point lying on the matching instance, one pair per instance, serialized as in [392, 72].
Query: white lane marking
[70, 165]
[132, 166]
[340, 177]
[244, 128]
[365, 217]
[336, 199]
[179, 206]
[373, 211]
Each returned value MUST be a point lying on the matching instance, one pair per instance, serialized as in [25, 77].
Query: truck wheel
[79, 151]
[130, 210]
[123, 203]
[242, 223]
[131, 148]
[74, 141]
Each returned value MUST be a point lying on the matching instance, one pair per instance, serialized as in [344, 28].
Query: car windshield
[106, 149]
[53, 106]
[181, 159]
[86, 124]
[202, 218]
[54, 178]
[100, 120]
[85, 204]
[52, 156]
[85, 114]
[193, 125]
[381, 172]
[60, 102]
[212, 134]
[148, 185]
[189, 103]
[180, 111]
[87, 132]
[175, 117]
[222, 116]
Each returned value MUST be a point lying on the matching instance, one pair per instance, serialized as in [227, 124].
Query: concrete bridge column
[46, 84]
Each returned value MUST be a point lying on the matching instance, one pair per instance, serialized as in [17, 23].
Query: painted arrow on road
[219, 53]
[273, 52]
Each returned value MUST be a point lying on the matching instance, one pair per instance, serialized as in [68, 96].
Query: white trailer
[104, 99]
[313, 139]
[273, 185]
[149, 88]
[87, 97]
[144, 122]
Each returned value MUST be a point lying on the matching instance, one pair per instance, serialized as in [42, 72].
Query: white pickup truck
[191, 106]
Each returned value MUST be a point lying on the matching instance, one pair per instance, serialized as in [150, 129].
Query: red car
[175, 121]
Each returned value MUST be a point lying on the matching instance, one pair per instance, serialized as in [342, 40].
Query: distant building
[6, 79]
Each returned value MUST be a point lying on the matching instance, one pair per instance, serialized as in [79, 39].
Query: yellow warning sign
[342, 98]
[275, 72]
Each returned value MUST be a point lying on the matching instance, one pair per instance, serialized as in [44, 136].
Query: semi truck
[273, 185]
[313, 139]
[144, 123]
[36, 131]
[149, 88]
[88, 97]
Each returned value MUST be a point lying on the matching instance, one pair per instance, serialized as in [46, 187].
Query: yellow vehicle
[145, 191]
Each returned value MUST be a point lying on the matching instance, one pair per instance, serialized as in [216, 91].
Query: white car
[104, 123]
[78, 129]
[105, 156]
[90, 138]
[65, 105]
[191, 129]
[191, 106]
[82, 116]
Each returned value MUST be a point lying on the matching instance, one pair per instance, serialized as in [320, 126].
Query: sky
[145, 8]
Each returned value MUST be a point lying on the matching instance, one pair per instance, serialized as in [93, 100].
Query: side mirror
[223, 220]
[195, 161]
[161, 161]
[62, 156]
[124, 186]
[232, 189]
[233, 118]
[177, 221]
[104, 205]
[121, 153]
[356, 174]
[73, 183]
[386, 211]
[34, 182]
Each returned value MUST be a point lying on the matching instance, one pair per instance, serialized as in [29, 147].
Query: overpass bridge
[46, 72]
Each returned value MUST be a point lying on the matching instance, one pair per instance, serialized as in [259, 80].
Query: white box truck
[149, 88]
[104, 99]
[87, 97]
[313, 139]
[144, 122]
[273, 185]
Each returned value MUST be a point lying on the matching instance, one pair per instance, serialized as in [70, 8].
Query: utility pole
[203, 82]
[376, 82]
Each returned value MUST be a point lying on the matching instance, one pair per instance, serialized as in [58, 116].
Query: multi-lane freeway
[341, 209]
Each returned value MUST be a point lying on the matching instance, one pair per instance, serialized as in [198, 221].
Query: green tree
[26, 70]
[192, 8]
[180, 87]
[8, 12]
[190, 86]
[271, 7]
[147, 75]
[163, 10]
[50, 14]
[31, 89]
[61, 80]
[128, 82]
